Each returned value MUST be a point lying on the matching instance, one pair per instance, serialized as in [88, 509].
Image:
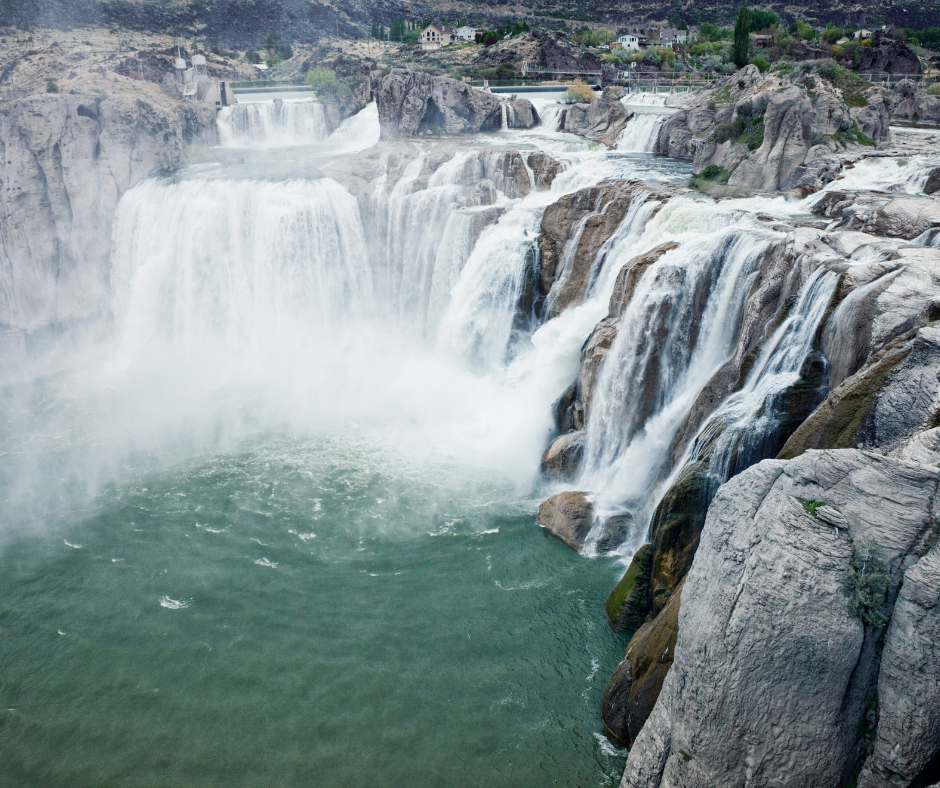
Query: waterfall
[358, 132]
[745, 429]
[641, 133]
[245, 260]
[677, 330]
[642, 130]
[275, 123]
[504, 112]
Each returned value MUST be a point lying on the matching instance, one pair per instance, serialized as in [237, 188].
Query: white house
[437, 36]
[864, 33]
[466, 33]
[629, 41]
[669, 36]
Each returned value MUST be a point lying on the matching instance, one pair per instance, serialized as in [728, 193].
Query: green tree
[761, 20]
[378, 30]
[742, 38]
[52, 86]
[397, 29]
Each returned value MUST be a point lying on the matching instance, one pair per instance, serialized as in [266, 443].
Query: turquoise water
[303, 611]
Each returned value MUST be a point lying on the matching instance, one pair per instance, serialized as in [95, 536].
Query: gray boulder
[878, 213]
[520, 114]
[601, 121]
[773, 669]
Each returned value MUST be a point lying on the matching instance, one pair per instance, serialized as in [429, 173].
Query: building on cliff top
[437, 36]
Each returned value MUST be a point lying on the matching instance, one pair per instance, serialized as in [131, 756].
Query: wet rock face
[877, 213]
[573, 230]
[520, 114]
[632, 692]
[68, 159]
[570, 517]
[411, 103]
[769, 643]
[891, 398]
[933, 182]
[562, 458]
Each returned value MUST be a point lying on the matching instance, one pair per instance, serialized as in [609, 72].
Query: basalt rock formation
[770, 132]
[908, 101]
[785, 699]
[413, 103]
[67, 161]
[600, 121]
[887, 363]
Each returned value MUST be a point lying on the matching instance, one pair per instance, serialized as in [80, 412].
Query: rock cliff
[772, 132]
[777, 659]
[67, 161]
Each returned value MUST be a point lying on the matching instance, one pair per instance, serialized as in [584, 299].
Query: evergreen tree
[742, 39]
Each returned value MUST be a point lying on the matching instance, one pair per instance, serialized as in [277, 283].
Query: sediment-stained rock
[569, 516]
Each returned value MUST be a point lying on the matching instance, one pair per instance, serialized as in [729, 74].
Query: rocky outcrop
[483, 172]
[888, 55]
[574, 228]
[882, 405]
[878, 213]
[67, 161]
[520, 114]
[628, 604]
[878, 302]
[908, 101]
[600, 121]
[562, 458]
[932, 186]
[908, 732]
[632, 692]
[772, 132]
[777, 657]
[570, 517]
[412, 103]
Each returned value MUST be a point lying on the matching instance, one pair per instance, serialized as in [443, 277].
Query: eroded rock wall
[67, 160]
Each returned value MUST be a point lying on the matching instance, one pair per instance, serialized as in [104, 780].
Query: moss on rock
[628, 604]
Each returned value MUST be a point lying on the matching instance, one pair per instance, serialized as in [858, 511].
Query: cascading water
[642, 130]
[280, 122]
[314, 435]
[746, 428]
[677, 330]
[359, 131]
